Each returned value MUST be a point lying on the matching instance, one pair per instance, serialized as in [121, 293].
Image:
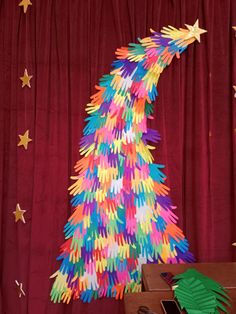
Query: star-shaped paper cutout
[19, 214]
[195, 31]
[19, 287]
[234, 87]
[25, 4]
[24, 139]
[26, 79]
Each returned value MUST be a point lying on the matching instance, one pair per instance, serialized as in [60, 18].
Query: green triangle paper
[199, 294]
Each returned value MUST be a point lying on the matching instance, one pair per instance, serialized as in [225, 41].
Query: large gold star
[26, 79]
[19, 287]
[19, 214]
[25, 4]
[24, 139]
[195, 31]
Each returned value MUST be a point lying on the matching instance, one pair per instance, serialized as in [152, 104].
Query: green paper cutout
[199, 294]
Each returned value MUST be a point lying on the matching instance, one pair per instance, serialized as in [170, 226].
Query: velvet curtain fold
[67, 46]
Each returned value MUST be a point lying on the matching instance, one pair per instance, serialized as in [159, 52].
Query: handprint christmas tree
[122, 214]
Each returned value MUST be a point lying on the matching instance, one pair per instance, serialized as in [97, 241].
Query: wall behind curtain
[67, 46]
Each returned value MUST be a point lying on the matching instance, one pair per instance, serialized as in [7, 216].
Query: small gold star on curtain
[26, 79]
[25, 4]
[19, 287]
[234, 28]
[19, 214]
[234, 87]
[24, 139]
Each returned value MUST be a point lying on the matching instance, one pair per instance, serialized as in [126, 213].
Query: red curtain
[67, 46]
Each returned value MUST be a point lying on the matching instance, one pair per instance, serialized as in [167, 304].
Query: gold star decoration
[234, 87]
[24, 139]
[234, 28]
[19, 287]
[26, 79]
[195, 31]
[25, 4]
[19, 214]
